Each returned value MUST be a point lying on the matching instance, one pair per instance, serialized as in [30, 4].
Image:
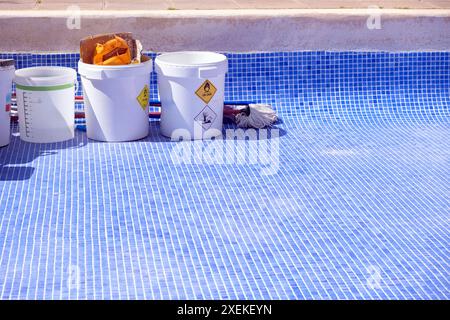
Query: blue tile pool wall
[358, 208]
[355, 85]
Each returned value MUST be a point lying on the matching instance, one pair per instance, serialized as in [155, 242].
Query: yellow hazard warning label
[143, 97]
[206, 91]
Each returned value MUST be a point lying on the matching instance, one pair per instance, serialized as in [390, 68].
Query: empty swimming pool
[346, 197]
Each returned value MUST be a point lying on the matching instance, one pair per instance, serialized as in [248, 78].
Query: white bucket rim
[34, 76]
[193, 64]
[115, 67]
[92, 71]
[163, 58]
[7, 68]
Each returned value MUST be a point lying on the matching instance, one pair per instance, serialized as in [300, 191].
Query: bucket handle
[207, 72]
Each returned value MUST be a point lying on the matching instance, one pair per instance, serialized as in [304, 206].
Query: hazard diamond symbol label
[206, 117]
[143, 97]
[206, 91]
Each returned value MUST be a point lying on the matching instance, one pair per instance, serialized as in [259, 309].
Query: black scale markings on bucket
[27, 108]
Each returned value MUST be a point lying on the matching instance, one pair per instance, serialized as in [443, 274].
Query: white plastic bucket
[191, 87]
[6, 77]
[116, 100]
[45, 103]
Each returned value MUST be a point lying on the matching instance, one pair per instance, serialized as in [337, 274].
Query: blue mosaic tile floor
[350, 200]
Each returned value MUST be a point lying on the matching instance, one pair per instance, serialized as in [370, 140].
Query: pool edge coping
[221, 30]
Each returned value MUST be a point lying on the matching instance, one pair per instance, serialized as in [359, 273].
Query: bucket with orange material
[116, 88]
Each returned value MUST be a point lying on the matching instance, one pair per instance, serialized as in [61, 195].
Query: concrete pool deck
[222, 4]
[222, 30]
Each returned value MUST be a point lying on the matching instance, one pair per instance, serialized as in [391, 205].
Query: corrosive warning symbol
[206, 117]
[206, 91]
[143, 97]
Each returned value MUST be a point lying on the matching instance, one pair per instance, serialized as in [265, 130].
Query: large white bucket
[46, 103]
[116, 100]
[6, 77]
[191, 87]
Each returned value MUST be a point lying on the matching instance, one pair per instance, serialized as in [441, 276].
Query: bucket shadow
[229, 132]
[232, 132]
[15, 173]
[15, 158]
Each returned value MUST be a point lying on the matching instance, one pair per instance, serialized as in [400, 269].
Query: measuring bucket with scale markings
[45, 103]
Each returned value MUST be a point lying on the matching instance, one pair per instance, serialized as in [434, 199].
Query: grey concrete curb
[233, 30]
